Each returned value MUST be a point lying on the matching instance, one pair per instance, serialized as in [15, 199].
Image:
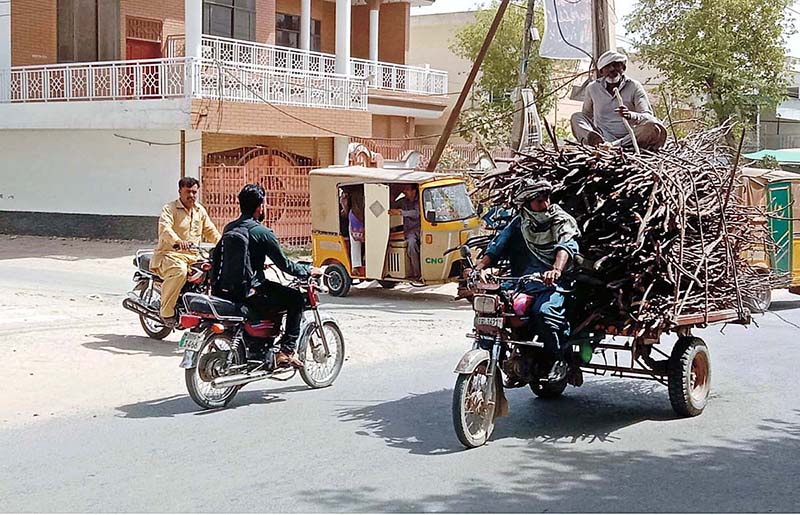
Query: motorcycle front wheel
[473, 413]
[318, 369]
[215, 356]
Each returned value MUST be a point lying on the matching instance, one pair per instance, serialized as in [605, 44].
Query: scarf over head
[543, 230]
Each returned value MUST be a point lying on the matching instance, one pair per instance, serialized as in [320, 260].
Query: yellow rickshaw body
[385, 247]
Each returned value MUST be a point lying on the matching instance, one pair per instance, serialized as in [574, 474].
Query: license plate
[492, 321]
[191, 341]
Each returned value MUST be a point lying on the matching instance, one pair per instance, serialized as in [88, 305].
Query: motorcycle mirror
[465, 252]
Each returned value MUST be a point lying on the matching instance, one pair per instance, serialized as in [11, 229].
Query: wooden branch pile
[662, 231]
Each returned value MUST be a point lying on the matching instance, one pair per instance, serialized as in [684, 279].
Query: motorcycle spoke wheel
[318, 369]
[473, 412]
[216, 358]
[152, 297]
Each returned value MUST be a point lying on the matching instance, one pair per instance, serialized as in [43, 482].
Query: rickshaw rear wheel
[387, 284]
[337, 280]
[548, 390]
[689, 376]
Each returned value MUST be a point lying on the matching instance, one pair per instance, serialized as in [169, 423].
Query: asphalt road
[381, 438]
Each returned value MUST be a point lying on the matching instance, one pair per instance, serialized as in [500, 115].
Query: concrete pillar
[374, 17]
[340, 146]
[5, 51]
[305, 24]
[193, 27]
[343, 25]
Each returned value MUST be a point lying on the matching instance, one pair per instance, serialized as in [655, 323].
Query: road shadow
[784, 305]
[737, 475]
[125, 344]
[422, 423]
[175, 405]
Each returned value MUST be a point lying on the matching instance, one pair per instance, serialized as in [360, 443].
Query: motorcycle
[504, 345]
[222, 344]
[145, 298]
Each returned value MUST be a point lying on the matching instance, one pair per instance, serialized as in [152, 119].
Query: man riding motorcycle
[182, 224]
[541, 239]
[269, 295]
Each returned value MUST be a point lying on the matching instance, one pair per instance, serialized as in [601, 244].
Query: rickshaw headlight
[485, 304]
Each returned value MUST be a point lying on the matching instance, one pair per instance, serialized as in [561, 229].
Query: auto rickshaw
[778, 193]
[447, 219]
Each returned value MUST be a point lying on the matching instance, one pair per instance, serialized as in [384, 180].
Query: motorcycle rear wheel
[152, 328]
[319, 371]
[473, 416]
[211, 362]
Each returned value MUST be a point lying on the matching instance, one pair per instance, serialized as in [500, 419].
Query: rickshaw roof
[770, 175]
[383, 175]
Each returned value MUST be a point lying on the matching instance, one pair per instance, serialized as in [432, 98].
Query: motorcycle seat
[207, 304]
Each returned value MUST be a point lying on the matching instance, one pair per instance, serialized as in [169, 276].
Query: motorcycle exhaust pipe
[239, 379]
[134, 303]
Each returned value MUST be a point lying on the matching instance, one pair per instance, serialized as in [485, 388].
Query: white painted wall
[92, 172]
[172, 113]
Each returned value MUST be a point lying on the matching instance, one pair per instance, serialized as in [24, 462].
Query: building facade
[105, 104]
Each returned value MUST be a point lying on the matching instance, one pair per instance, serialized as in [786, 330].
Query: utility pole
[519, 114]
[600, 28]
[454, 114]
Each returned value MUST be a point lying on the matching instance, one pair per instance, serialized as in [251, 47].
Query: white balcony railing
[112, 80]
[380, 75]
[169, 77]
[249, 83]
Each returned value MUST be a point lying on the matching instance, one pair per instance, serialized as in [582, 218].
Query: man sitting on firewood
[612, 100]
[541, 239]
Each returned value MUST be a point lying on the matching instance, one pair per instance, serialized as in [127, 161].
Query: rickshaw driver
[541, 239]
[409, 208]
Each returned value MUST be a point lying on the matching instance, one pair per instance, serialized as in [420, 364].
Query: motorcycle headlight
[486, 304]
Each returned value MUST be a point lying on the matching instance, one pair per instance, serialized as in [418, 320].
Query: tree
[730, 53]
[486, 121]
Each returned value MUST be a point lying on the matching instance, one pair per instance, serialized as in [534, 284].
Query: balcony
[379, 75]
[179, 77]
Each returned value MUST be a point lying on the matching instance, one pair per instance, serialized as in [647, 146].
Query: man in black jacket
[271, 295]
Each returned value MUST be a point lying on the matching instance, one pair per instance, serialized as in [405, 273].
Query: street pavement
[114, 429]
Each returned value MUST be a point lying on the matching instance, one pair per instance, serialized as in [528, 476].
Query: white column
[305, 24]
[5, 50]
[340, 147]
[193, 12]
[343, 24]
[374, 17]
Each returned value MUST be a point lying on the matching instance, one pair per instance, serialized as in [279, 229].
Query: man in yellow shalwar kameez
[183, 223]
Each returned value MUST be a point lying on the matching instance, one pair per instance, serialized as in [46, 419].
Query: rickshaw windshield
[447, 203]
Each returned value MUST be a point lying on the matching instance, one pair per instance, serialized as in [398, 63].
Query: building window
[287, 31]
[230, 18]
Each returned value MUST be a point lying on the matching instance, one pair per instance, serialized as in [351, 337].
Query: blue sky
[622, 8]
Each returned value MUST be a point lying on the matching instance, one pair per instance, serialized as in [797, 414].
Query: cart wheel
[761, 301]
[338, 280]
[689, 376]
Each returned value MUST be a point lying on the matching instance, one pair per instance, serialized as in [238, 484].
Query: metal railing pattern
[167, 78]
[241, 83]
[111, 80]
[380, 75]
[395, 150]
[288, 204]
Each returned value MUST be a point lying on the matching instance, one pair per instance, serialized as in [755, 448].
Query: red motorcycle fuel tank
[522, 304]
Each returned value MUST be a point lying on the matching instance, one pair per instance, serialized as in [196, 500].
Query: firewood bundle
[662, 233]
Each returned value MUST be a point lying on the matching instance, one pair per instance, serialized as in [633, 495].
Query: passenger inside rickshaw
[406, 205]
[351, 223]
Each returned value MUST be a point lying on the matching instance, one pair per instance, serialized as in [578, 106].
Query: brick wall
[33, 32]
[392, 126]
[169, 12]
[320, 149]
[265, 21]
[393, 30]
[263, 119]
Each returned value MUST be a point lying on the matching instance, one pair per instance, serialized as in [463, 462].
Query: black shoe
[558, 373]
